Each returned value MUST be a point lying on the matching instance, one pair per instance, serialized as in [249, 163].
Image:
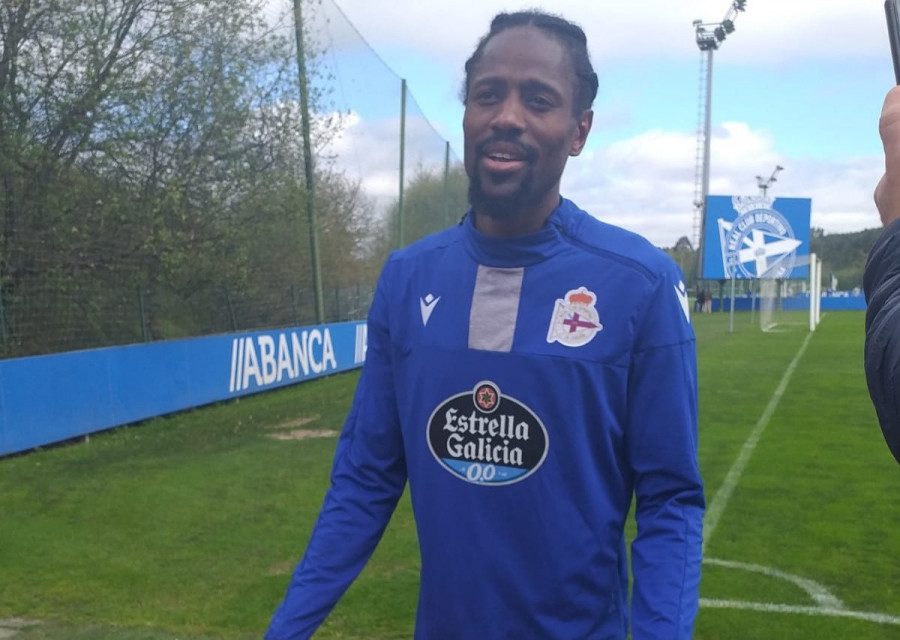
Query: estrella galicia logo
[484, 437]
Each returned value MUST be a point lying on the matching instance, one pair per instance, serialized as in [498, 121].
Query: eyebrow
[536, 85]
[529, 84]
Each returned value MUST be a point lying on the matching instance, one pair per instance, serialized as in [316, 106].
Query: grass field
[188, 527]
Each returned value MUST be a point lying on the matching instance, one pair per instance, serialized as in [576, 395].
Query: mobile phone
[892, 13]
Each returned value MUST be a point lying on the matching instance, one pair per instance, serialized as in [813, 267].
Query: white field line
[723, 495]
[809, 611]
[820, 595]
[826, 603]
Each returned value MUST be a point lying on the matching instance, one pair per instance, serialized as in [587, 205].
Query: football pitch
[188, 527]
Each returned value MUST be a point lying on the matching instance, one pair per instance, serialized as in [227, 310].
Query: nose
[510, 115]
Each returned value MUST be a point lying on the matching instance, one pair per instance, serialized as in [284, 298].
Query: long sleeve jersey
[527, 388]
[882, 354]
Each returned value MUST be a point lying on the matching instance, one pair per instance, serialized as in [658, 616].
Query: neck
[516, 223]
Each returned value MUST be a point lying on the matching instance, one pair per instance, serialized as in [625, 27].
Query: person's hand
[887, 193]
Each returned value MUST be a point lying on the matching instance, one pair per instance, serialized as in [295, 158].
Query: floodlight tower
[765, 183]
[709, 37]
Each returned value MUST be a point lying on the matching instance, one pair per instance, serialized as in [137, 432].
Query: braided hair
[568, 34]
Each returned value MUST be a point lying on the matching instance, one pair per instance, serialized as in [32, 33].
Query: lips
[504, 156]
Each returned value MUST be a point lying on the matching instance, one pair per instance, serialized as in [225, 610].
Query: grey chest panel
[495, 307]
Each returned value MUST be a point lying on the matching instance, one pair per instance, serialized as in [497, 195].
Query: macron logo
[427, 305]
[681, 292]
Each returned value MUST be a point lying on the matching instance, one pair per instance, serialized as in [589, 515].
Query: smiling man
[529, 373]
[523, 120]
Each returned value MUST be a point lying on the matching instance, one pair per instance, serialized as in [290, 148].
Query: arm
[881, 283]
[367, 479]
[662, 449]
[887, 193]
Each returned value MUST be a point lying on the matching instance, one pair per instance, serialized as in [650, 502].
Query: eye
[486, 95]
[540, 102]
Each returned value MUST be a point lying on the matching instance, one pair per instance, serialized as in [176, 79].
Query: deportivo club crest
[575, 321]
[760, 243]
[486, 438]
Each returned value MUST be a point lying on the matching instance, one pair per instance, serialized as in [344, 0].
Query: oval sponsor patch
[487, 438]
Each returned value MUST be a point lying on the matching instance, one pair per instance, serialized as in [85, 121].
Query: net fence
[152, 181]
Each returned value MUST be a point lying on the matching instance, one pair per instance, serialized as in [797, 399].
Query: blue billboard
[756, 237]
[51, 398]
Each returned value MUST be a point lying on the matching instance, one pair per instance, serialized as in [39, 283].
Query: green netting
[152, 182]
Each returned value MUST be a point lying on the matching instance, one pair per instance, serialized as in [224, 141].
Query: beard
[502, 206]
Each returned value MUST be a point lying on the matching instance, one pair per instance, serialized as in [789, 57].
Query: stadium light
[765, 183]
[709, 37]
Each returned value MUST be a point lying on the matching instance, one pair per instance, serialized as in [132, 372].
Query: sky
[799, 84]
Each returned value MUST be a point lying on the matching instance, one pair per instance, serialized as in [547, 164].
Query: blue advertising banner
[47, 399]
[756, 237]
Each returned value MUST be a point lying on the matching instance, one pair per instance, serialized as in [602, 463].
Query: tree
[150, 153]
[685, 256]
[843, 254]
[432, 201]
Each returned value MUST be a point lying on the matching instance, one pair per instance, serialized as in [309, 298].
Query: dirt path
[9, 627]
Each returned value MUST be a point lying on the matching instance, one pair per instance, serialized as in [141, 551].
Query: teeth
[501, 156]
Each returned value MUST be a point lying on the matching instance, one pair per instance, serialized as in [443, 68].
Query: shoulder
[882, 349]
[648, 278]
[629, 249]
[425, 248]
[883, 263]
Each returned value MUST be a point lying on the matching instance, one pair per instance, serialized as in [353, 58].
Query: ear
[582, 129]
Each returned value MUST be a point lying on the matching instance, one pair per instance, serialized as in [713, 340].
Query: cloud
[368, 151]
[771, 31]
[647, 183]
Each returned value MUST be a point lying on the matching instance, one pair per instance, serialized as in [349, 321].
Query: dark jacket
[882, 287]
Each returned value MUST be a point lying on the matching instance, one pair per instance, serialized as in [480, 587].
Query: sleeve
[367, 479]
[661, 444]
[881, 283]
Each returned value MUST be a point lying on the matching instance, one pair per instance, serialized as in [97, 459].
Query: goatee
[501, 207]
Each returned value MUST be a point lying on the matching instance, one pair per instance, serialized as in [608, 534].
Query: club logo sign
[759, 243]
[484, 437]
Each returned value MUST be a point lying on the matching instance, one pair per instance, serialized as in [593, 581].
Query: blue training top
[527, 388]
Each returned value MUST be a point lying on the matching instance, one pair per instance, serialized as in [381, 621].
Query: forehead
[525, 54]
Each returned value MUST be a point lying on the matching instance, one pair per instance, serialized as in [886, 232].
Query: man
[882, 285]
[528, 372]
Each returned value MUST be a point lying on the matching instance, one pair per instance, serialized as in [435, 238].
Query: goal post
[776, 294]
[815, 291]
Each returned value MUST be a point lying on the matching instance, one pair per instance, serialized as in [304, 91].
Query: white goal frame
[767, 320]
